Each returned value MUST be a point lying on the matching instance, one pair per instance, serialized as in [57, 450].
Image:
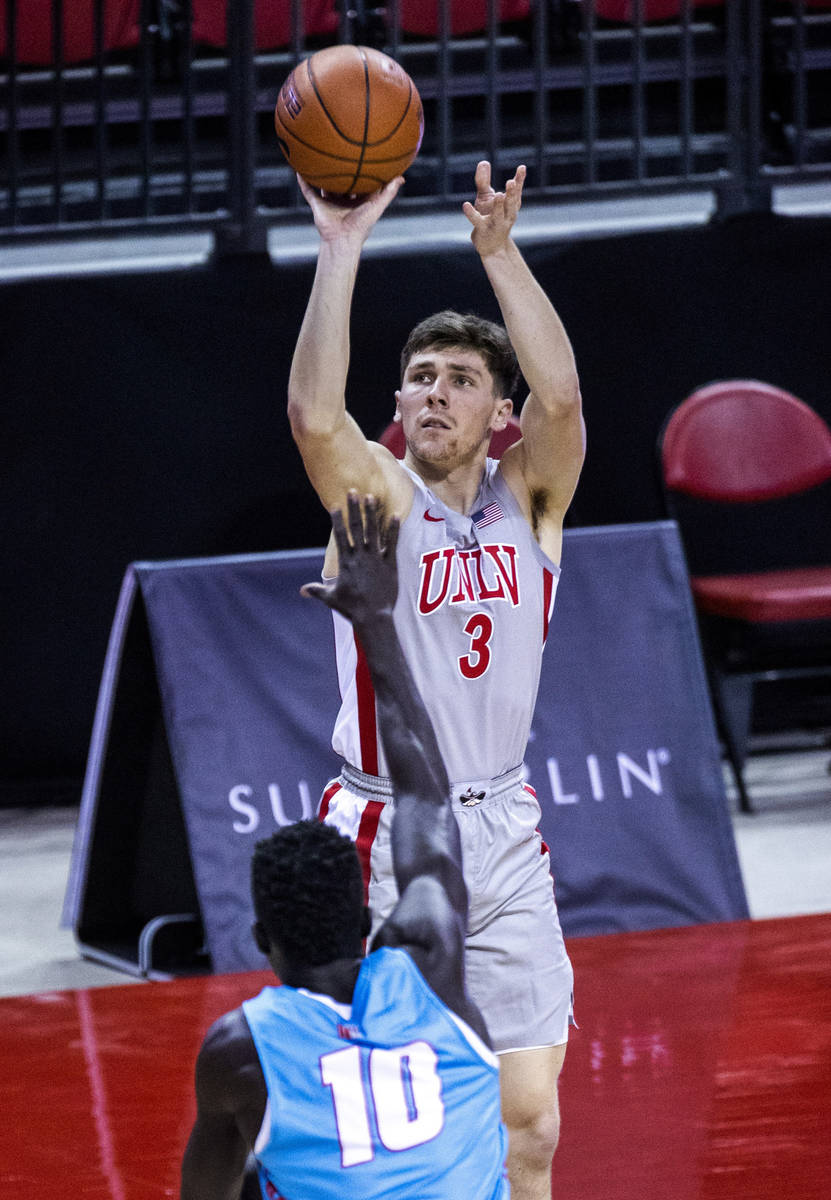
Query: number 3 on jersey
[477, 660]
[402, 1088]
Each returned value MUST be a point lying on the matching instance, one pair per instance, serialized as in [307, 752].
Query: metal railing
[157, 114]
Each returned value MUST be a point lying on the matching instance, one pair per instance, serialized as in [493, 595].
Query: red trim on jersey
[367, 730]
[326, 799]
[547, 591]
[366, 836]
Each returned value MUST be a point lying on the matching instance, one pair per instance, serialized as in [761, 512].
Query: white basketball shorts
[516, 965]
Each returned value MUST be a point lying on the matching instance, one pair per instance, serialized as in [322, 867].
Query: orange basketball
[349, 119]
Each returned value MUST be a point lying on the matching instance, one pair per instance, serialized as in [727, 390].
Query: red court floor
[701, 1069]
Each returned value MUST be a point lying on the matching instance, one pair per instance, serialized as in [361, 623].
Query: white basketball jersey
[474, 602]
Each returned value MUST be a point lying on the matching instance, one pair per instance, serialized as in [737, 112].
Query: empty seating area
[745, 468]
[158, 113]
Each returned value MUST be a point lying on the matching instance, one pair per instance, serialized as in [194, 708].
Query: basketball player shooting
[479, 560]
[359, 1077]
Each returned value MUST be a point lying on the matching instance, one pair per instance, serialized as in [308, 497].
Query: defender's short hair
[308, 892]
[448, 329]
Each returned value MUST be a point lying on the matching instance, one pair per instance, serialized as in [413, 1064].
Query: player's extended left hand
[367, 581]
[493, 213]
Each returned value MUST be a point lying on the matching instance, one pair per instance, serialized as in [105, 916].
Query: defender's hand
[367, 582]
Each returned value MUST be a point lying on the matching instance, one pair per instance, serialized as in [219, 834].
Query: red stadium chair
[466, 16]
[652, 10]
[745, 445]
[34, 41]
[393, 438]
[272, 22]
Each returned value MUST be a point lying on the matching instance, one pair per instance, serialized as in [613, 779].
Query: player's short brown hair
[449, 329]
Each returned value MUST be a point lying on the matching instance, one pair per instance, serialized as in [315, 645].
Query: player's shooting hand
[341, 218]
[367, 582]
[493, 213]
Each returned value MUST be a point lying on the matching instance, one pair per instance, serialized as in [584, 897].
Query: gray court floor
[784, 851]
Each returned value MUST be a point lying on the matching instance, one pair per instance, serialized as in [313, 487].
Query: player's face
[447, 405]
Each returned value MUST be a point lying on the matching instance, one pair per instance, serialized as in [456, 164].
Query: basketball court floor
[701, 1067]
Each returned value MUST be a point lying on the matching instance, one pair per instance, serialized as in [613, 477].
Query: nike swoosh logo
[427, 516]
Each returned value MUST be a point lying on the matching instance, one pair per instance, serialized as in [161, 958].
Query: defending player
[359, 1077]
[479, 555]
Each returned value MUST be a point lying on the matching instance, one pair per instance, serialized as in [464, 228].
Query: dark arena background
[146, 415]
[155, 261]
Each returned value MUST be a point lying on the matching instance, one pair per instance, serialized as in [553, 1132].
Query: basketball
[349, 119]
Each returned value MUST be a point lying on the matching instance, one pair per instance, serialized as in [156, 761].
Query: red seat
[466, 16]
[272, 22]
[742, 444]
[800, 594]
[743, 441]
[653, 10]
[34, 35]
[393, 438]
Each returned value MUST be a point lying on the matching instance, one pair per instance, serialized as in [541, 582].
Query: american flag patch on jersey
[487, 515]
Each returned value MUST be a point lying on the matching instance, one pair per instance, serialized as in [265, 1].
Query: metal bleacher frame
[168, 134]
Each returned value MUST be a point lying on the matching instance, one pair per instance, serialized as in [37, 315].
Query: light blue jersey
[393, 1096]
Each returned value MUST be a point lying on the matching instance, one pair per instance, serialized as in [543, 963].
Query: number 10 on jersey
[400, 1088]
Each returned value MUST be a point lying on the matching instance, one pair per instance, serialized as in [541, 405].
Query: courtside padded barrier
[216, 708]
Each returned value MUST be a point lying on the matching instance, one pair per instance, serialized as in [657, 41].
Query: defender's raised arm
[425, 835]
[431, 913]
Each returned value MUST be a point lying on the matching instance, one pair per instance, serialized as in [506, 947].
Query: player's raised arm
[365, 592]
[425, 837]
[550, 455]
[335, 452]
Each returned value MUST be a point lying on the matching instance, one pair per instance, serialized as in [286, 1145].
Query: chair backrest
[272, 22]
[651, 10]
[740, 441]
[393, 438]
[466, 16]
[35, 36]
